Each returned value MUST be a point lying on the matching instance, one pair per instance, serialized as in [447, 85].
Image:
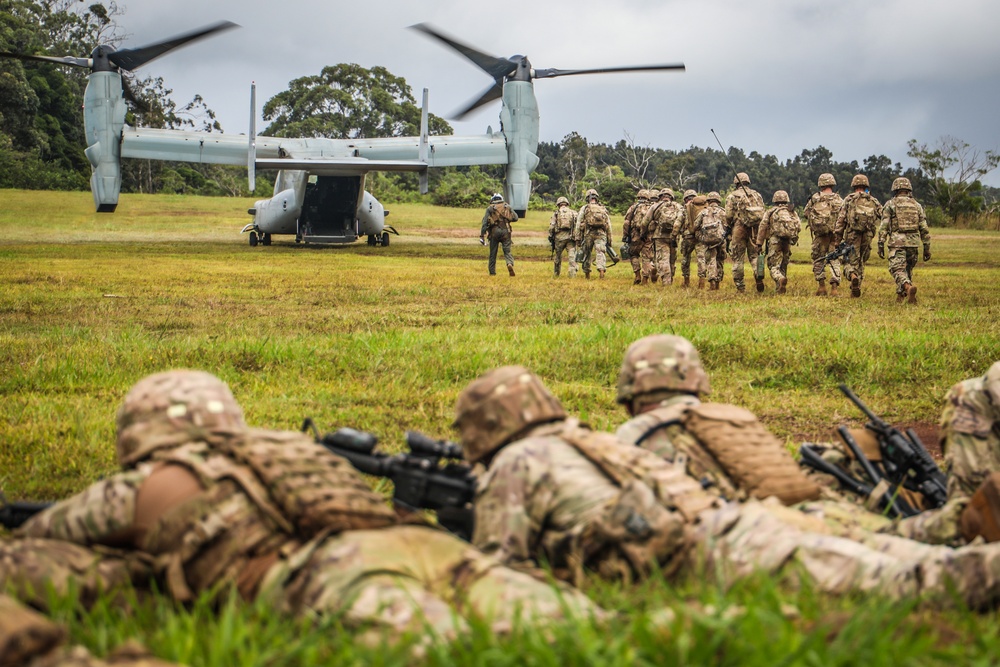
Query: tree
[577, 158]
[635, 160]
[953, 170]
[347, 101]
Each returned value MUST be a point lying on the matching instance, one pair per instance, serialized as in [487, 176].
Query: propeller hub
[99, 57]
[523, 71]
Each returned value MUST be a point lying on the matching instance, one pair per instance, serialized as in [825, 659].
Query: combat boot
[600, 274]
[638, 278]
[782, 283]
[900, 298]
[701, 283]
[911, 294]
[555, 273]
[821, 288]
[510, 269]
[713, 285]
[760, 284]
[687, 281]
[855, 285]
[741, 288]
[833, 289]
[586, 274]
[645, 280]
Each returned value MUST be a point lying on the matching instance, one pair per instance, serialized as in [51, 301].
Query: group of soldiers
[205, 503]
[657, 229]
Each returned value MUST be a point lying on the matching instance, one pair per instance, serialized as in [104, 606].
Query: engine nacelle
[104, 118]
[371, 215]
[279, 214]
[519, 121]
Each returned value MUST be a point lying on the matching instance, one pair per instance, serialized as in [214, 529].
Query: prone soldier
[821, 216]
[496, 222]
[562, 235]
[593, 232]
[856, 224]
[905, 226]
[780, 229]
[744, 211]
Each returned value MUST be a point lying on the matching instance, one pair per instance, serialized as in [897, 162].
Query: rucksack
[712, 230]
[750, 213]
[822, 214]
[865, 214]
[784, 223]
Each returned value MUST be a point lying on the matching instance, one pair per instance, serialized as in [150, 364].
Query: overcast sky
[860, 77]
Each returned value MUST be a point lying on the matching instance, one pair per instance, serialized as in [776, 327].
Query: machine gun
[904, 457]
[841, 252]
[419, 479]
[13, 515]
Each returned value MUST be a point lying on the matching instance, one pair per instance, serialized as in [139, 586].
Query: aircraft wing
[340, 166]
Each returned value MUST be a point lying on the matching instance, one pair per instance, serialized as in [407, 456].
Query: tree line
[42, 142]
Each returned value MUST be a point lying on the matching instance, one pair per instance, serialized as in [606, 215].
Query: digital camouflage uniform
[276, 516]
[970, 440]
[821, 216]
[693, 205]
[709, 248]
[663, 221]
[904, 225]
[780, 230]
[562, 228]
[856, 225]
[496, 223]
[28, 639]
[594, 230]
[566, 495]
[744, 207]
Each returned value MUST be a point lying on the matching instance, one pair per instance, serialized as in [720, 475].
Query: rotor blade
[65, 60]
[492, 65]
[129, 59]
[494, 92]
[553, 72]
[138, 103]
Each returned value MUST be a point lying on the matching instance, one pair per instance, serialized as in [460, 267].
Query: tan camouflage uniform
[970, 440]
[821, 214]
[905, 226]
[28, 639]
[709, 253]
[693, 205]
[774, 229]
[660, 222]
[594, 230]
[272, 514]
[856, 224]
[562, 227]
[742, 231]
[496, 223]
[632, 234]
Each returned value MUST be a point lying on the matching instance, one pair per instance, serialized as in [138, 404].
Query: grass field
[383, 339]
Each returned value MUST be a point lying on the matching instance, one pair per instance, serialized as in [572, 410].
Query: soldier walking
[780, 229]
[496, 223]
[562, 236]
[744, 211]
[856, 224]
[710, 233]
[821, 216]
[905, 226]
[663, 223]
[693, 205]
[593, 230]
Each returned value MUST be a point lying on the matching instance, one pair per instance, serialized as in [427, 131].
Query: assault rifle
[419, 479]
[904, 457]
[842, 252]
[13, 515]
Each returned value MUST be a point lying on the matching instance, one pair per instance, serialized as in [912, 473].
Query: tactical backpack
[784, 223]
[595, 216]
[864, 216]
[712, 230]
[564, 219]
[500, 216]
[822, 214]
[907, 214]
[749, 213]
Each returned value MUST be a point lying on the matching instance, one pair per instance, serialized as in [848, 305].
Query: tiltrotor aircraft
[319, 191]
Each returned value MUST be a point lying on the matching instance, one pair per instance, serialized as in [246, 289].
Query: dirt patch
[471, 233]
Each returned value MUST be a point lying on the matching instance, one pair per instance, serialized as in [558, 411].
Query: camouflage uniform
[905, 226]
[562, 229]
[821, 215]
[780, 229]
[709, 250]
[744, 208]
[275, 516]
[28, 639]
[970, 440]
[663, 222]
[856, 223]
[558, 492]
[496, 222]
[632, 233]
[693, 205]
[593, 230]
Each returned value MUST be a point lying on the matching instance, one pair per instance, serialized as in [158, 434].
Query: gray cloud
[775, 76]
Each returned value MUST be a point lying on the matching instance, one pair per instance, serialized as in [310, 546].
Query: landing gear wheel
[253, 239]
[265, 239]
[298, 239]
[372, 240]
[385, 239]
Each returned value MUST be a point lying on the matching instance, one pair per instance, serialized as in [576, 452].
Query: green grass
[383, 339]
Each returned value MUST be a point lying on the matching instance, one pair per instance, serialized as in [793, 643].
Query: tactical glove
[881, 250]
[927, 253]
[482, 240]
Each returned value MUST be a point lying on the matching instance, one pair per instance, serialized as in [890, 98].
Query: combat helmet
[496, 198]
[780, 197]
[742, 177]
[859, 180]
[654, 193]
[690, 193]
[661, 362]
[713, 196]
[591, 193]
[499, 405]
[901, 183]
[171, 408]
[826, 180]
[643, 194]
[667, 192]
[562, 200]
